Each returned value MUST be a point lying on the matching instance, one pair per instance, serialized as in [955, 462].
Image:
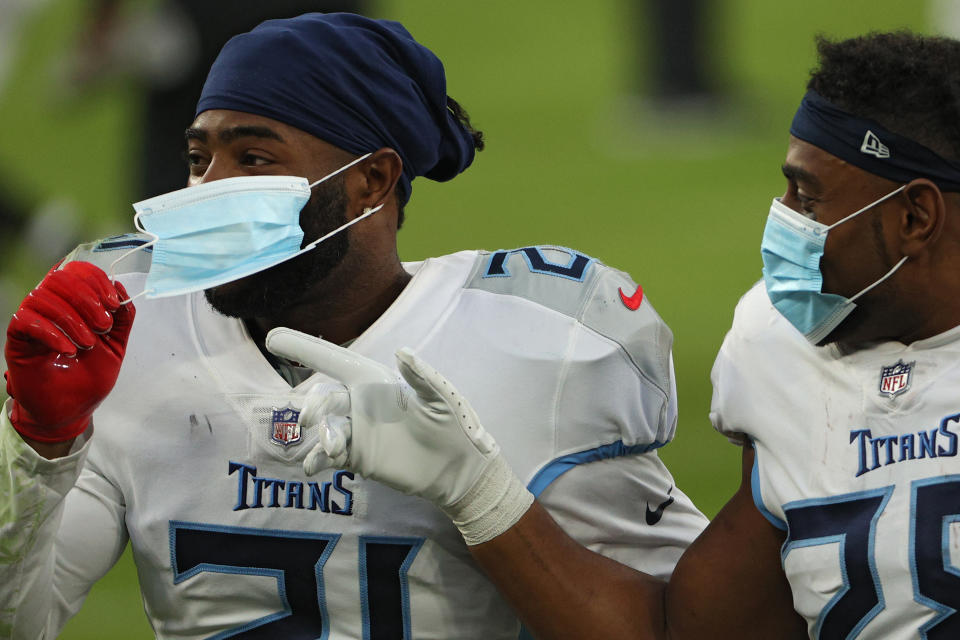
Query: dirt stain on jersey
[195, 422]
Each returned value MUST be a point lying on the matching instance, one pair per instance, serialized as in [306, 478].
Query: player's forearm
[561, 590]
[50, 450]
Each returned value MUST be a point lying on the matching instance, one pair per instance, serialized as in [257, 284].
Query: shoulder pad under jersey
[603, 299]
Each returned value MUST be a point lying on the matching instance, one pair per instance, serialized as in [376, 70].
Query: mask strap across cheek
[341, 169]
[143, 247]
[367, 212]
[869, 206]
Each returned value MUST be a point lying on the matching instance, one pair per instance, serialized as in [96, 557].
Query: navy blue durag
[359, 84]
[869, 145]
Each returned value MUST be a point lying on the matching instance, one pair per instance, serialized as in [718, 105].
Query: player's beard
[269, 292]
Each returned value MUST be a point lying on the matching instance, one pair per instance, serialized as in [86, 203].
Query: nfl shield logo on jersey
[895, 379]
[283, 427]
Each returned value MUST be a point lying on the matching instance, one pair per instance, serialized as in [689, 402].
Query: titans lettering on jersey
[256, 492]
[875, 452]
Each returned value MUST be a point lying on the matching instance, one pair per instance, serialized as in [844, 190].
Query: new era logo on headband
[858, 141]
[873, 146]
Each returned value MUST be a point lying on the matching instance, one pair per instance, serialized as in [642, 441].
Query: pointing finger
[340, 364]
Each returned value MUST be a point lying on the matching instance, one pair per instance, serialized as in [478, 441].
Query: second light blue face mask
[224, 230]
[792, 247]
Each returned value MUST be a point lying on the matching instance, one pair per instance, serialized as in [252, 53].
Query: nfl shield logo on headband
[284, 429]
[873, 146]
[895, 379]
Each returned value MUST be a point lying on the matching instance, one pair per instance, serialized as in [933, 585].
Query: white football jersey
[196, 457]
[856, 459]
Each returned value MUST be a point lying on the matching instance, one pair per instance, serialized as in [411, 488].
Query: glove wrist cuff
[26, 426]
[492, 505]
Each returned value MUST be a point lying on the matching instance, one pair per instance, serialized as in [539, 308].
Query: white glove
[423, 439]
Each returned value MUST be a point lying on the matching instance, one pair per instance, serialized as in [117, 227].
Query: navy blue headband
[867, 144]
[359, 84]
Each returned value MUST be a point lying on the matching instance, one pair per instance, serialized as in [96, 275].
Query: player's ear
[923, 217]
[379, 174]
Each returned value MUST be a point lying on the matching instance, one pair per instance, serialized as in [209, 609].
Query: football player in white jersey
[839, 378]
[175, 429]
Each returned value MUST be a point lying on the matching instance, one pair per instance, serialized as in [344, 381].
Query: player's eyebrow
[234, 133]
[796, 174]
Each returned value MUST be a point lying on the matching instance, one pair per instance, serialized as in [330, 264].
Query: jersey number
[537, 262]
[851, 521]
[296, 560]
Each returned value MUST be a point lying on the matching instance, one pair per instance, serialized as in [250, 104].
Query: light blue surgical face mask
[792, 247]
[224, 230]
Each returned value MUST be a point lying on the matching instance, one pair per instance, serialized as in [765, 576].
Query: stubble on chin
[269, 292]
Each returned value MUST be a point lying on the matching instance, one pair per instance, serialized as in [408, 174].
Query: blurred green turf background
[571, 160]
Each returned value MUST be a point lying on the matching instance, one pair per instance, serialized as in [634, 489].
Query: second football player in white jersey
[872, 514]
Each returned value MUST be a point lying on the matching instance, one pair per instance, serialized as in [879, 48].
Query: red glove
[64, 348]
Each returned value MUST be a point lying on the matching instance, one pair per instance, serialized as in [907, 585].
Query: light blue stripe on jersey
[758, 499]
[556, 468]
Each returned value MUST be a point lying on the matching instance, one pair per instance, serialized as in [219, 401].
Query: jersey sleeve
[723, 377]
[749, 356]
[621, 364]
[61, 526]
[617, 396]
[626, 508]
[730, 404]
[618, 405]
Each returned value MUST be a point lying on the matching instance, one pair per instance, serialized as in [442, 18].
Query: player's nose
[790, 200]
[218, 169]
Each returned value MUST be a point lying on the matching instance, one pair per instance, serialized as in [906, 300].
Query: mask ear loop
[856, 213]
[143, 247]
[889, 273]
[367, 211]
